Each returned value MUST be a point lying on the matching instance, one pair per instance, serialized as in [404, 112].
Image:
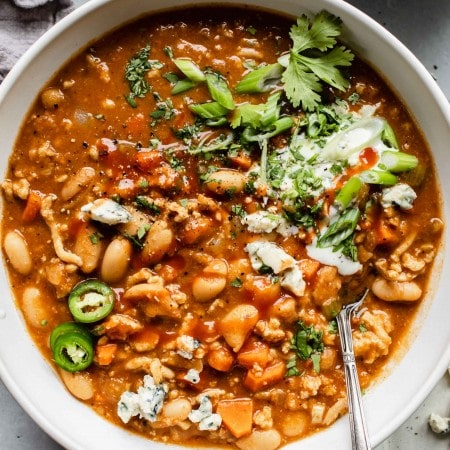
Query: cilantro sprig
[314, 59]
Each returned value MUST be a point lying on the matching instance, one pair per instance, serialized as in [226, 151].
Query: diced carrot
[32, 206]
[236, 415]
[104, 354]
[309, 268]
[253, 352]
[220, 359]
[255, 379]
[385, 235]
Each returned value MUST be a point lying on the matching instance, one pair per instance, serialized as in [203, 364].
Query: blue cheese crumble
[206, 419]
[193, 376]
[146, 403]
[400, 194]
[186, 345]
[107, 211]
[266, 222]
[264, 253]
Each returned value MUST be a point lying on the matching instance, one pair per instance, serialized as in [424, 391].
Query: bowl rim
[343, 9]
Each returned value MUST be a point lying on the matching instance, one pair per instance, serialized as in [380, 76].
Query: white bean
[33, 307]
[260, 440]
[176, 410]
[396, 291]
[159, 241]
[116, 260]
[226, 180]
[79, 384]
[237, 324]
[88, 249]
[17, 251]
[74, 185]
[211, 281]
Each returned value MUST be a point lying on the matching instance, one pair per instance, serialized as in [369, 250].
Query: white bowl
[30, 378]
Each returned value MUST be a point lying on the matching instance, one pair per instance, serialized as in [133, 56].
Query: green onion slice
[348, 192]
[340, 230]
[263, 79]
[372, 176]
[190, 69]
[218, 88]
[209, 110]
[183, 86]
[398, 161]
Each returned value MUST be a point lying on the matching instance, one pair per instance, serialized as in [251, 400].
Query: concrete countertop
[424, 27]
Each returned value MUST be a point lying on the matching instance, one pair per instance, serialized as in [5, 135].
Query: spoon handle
[358, 427]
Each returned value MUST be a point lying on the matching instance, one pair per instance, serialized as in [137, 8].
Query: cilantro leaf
[301, 86]
[314, 59]
[320, 34]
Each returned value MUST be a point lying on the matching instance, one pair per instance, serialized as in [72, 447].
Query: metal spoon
[358, 427]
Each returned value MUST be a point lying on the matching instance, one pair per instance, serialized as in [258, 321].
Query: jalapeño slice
[72, 347]
[91, 301]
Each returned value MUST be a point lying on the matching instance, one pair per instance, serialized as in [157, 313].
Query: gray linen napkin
[22, 22]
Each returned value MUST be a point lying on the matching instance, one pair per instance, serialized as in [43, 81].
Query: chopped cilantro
[307, 344]
[143, 203]
[333, 327]
[135, 72]
[95, 237]
[237, 282]
[142, 231]
[306, 341]
[251, 30]
[291, 366]
[188, 132]
[362, 328]
[143, 183]
[238, 210]
[171, 77]
[164, 110]
[175, 163]
[354, 98]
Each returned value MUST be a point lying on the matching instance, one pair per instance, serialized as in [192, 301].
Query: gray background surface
[424, 27]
